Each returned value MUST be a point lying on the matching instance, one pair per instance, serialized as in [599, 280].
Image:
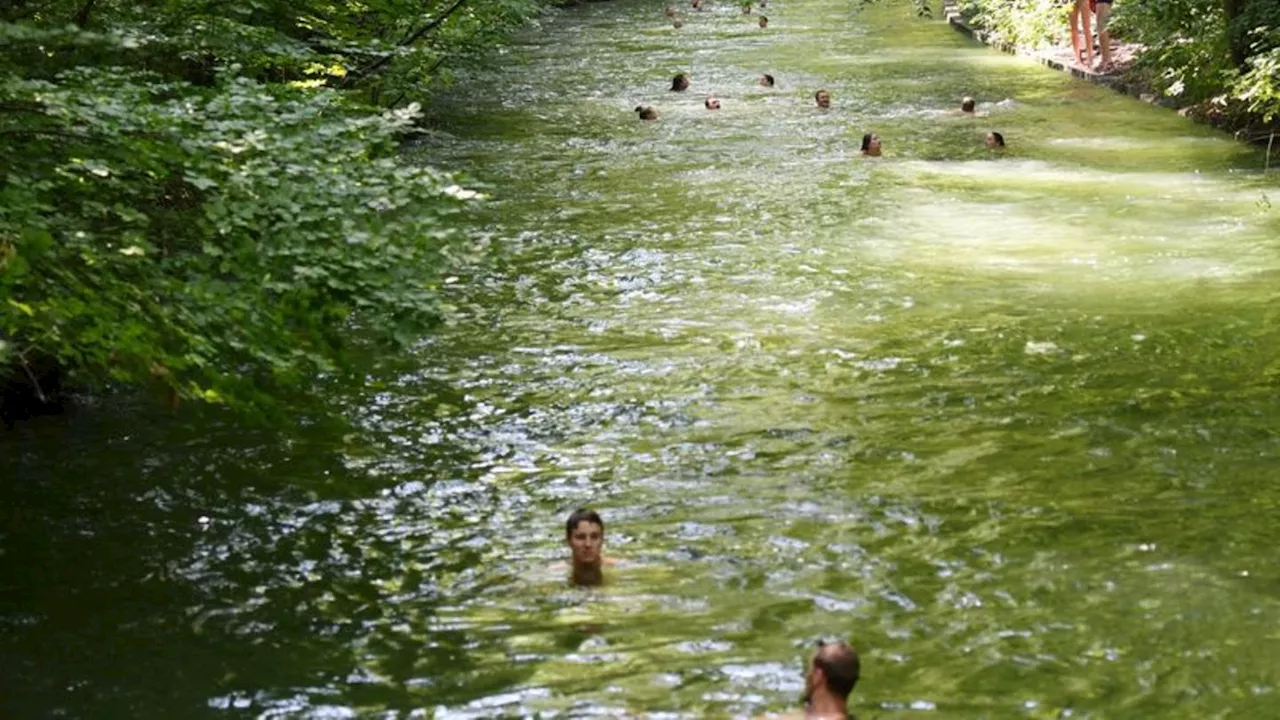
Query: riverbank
[1127, 76]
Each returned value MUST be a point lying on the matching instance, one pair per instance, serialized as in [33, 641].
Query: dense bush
[207, 195]
[1201, 50]
[1033, 23]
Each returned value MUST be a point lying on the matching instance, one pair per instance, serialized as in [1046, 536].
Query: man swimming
[823, 98]
[764, 21]
[833, 672]
[711, 103]
[968, 105]
[584, 534]
[994, 141]
[766, 80]
[646, 113]
[680, 82]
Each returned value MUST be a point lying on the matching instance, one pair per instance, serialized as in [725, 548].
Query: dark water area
[1009, 423]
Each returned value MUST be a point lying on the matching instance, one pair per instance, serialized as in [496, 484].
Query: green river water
[1007, 423]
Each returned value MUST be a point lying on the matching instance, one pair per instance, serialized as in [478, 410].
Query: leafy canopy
[207, 196]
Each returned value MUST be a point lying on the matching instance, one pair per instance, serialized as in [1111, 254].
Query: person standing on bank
[584, 534]
[1082, 38]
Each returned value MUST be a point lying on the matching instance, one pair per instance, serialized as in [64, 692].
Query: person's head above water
[764, 21]
[823, 98]
[871, 145]
[680, 82]
[677, 22]
[669, 11]
[766, 80]
[994, 140]
[646, 113]
[584, 534]
[833, 672]
[711, 103]
[967, 105]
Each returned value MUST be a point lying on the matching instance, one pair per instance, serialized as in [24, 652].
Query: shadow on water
[189, 566]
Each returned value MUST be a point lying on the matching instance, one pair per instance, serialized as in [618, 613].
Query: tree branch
[409, 39]
[35, 384]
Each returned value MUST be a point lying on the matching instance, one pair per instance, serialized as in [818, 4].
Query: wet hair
[998, 138]
[763, 21]
[967, 105]
[768, 79]
[818, 95]
[581, 515]
[840, 666]
[866, 141]
[680, 82]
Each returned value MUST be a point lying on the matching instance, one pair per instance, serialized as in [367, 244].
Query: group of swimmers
[678, 22]
[833, 670]
[822, 98]
[870, 141]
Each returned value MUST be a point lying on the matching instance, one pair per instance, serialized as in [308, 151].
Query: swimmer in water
[764, 21]
[584, 534]
[712, 103]
[696, 5]
[994, 141]
[823, 98]
[871, 145]
[646, 113]
[680, 82]
[833, 673]
[766, 80]
[746, 8]
[967, 105]
[677, 22]
[669, 11]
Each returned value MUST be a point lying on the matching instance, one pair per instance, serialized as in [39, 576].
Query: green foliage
[1033, 23]
[1187, 47]
[1259, 85]
[199, 194]
[1208, 50]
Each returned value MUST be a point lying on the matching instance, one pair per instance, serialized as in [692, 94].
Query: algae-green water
[1007, 422]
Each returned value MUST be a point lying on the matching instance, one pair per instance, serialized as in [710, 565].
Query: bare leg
[1082, 7]
[1104, 35]
[1075, 33]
